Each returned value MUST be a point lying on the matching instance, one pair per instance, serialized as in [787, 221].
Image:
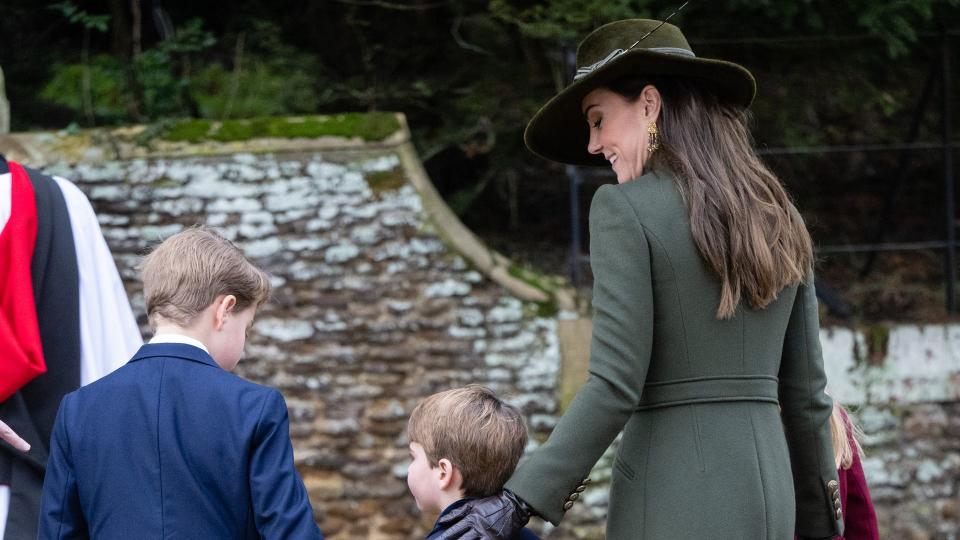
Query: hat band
[584, 71]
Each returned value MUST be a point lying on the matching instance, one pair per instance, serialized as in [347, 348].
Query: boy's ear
[448, 477]
[224, 304]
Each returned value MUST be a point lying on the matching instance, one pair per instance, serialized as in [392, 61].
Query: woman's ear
[225, 305]
[650, 103]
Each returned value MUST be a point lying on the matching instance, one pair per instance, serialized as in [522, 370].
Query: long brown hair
[742, 219]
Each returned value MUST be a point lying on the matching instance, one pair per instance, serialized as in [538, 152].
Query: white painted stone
[342, 252]
[315, 225]
[460, 332]
[397, 218]
[928, 470]
[922, 364]
[509, 310]
[257, 217]
[292, 200]
[470, 316]
[179, 207]
[235, 205]
[284, 329]
[159, 232]
[365, 234]
[381, 164]
[256, 230]
[262, 248]
[514, 360]
[367, 211]
[323, 169]
[109, 192]
[328, 211]
[216, 220]
[446, 288]
[306, 245]
[109, 219]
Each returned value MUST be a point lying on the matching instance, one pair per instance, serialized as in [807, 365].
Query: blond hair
[481, 435]
[742, 220]
[188, 271]
[846, 437]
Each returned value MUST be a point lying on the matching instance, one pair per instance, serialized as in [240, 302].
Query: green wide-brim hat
[618, 50]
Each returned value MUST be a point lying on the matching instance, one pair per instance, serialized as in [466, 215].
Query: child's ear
[446, 475]
[225, 304]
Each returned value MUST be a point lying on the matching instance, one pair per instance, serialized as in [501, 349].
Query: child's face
[226, 346]
[422, 479]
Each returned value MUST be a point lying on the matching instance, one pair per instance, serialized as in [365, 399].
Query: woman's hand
[497, 517]
[11, 437]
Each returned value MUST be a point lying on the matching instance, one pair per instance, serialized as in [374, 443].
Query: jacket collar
[174, 350]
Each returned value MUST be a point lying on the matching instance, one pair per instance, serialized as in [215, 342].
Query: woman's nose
[593, 146]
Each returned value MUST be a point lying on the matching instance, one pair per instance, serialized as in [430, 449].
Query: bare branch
[455, 31]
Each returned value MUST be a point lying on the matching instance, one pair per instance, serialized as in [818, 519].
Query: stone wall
[380, 299]
[372, 308]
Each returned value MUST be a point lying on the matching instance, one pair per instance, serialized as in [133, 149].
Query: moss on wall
[878, 338]
[374, 126]
[388, 180]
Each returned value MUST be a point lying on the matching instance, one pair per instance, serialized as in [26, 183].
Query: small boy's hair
[481, 435]
[188, 271]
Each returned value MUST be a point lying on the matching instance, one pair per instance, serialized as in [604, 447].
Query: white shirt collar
[178, 338]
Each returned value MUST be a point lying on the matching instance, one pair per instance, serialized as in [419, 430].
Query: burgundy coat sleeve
[858, 513]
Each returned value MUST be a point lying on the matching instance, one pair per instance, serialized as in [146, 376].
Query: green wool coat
[725, 422]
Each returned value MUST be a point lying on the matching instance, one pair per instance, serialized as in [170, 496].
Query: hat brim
[559, 132]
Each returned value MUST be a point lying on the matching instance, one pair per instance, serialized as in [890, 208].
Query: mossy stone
[374, 126]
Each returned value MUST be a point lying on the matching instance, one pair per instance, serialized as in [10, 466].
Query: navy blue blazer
[172, 446]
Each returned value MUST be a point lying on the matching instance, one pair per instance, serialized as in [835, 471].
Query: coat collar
[175, 350]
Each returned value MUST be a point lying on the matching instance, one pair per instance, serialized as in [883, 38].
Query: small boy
[172, 445]
[464, 444]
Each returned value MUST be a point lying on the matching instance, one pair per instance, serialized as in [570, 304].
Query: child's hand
[11, 437]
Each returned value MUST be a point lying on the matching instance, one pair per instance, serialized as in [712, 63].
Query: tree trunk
[120, 25]
[85, 91]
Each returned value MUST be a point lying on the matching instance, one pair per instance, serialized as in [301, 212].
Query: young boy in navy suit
[464, 443]
[172, 445]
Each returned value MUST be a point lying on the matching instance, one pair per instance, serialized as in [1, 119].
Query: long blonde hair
[843, 431]
[742, 220]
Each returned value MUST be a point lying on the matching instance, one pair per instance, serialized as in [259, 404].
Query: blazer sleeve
[805, 408]
[551, 478]
[61, 516]
[281, 506]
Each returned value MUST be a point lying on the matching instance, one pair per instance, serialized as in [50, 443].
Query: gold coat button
[580, 488]
[836, 504]
[574, 496]
[567, 505]
[833, 485]
[839, 514]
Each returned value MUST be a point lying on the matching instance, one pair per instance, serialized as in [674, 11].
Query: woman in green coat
[705, 350]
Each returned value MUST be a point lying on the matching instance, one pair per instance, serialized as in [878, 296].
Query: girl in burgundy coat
[859, 517]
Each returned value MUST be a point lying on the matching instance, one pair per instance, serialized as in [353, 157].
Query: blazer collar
[175, 350]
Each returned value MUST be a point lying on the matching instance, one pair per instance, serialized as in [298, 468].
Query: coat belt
[661, 394]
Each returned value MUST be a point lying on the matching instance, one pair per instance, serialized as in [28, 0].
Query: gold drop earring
[654, 137]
